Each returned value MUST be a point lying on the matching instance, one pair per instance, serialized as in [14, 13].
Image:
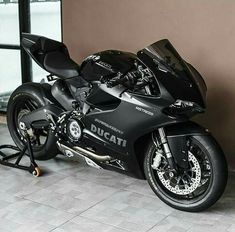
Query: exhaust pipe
[92, 155]
[83, 152]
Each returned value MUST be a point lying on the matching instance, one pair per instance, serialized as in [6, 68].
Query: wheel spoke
[24, 108]
[188, 183]
[38, 139]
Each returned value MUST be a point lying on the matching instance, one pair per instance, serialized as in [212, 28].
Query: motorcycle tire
[212, 167]
[21, 103]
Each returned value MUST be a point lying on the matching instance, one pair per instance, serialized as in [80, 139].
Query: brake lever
[106, 78]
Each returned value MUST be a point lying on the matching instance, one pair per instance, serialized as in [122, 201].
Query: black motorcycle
[125, 112]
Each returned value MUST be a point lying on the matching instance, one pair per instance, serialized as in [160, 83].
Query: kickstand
[27, 150]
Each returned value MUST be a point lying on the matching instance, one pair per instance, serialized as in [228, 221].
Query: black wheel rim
[203, 158]
[24, 106]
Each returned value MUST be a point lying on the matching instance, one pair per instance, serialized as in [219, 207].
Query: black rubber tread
[219, 176]
[49, 150]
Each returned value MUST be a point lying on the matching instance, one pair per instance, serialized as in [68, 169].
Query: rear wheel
[43, 141]
[196, 188]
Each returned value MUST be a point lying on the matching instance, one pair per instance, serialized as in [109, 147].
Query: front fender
[185, 129]
[177, 137]
[177, 134]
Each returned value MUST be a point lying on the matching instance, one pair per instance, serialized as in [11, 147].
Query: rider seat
[51, 55]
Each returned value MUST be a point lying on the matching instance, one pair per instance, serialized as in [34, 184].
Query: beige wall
[203, 31]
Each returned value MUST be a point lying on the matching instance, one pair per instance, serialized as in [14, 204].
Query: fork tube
[166, 147]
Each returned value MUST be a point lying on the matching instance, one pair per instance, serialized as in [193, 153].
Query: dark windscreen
[167, 58]
[174, 71]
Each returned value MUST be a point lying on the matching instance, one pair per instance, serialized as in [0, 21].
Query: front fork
[166, 148]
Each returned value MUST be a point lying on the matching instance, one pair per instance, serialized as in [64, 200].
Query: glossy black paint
[180, 79]
[107, 62]
[177, 135]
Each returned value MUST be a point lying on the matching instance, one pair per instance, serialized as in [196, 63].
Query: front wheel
[196, 188]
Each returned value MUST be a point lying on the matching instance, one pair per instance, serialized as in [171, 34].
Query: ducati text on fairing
[109, 137]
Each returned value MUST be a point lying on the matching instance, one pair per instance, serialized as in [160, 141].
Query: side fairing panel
[114, 131]
[118, 128]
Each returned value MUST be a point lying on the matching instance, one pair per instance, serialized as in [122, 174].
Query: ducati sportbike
[125, 112]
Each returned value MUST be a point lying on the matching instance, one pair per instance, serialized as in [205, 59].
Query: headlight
[182, 104]
[183, 108]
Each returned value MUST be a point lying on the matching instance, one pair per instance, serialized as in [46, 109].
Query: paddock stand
[27, 150]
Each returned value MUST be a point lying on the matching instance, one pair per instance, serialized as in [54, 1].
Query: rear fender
[45, 113]
[42, 92]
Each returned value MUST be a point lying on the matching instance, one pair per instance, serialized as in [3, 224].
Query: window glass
[38, 72]
[10, 74]
[9, 22]
[45, 21]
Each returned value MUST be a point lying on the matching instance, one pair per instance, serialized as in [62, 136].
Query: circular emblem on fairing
[74, 129]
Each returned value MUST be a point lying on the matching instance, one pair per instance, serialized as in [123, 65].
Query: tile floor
[73, 197]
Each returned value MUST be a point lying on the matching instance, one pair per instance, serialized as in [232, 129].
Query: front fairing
[176, 76]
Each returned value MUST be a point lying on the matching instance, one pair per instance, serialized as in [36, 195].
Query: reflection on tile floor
[73, 197]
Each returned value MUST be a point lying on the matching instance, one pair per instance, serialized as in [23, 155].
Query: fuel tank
[105, 63]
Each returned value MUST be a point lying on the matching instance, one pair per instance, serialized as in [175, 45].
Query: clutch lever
[108, 77]
[132, 77]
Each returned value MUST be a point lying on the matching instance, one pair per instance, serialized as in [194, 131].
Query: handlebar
[131, 77]
[118, 81]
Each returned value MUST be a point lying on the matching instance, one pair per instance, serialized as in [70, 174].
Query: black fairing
[117, 117]
[105, 63]
[101, 99]
[180, 79]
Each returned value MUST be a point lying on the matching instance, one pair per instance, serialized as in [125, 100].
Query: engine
[69, 127]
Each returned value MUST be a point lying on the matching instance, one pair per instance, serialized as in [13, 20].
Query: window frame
[25, 26]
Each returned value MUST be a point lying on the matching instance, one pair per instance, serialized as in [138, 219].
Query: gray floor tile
[170, 223]
[35, 227]
[104, 177]
[208, 228]
[24, 215]
[80, 224]
[140, 186]
[73, 197]
[126, 210]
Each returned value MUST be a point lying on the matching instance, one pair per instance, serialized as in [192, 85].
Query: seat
[51, 55]
[59, 64]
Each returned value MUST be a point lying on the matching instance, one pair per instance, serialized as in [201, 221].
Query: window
[45, 19]
[10, 70]
[9, 19]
